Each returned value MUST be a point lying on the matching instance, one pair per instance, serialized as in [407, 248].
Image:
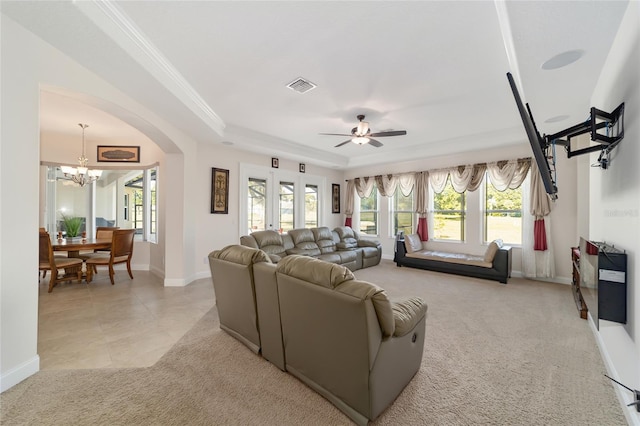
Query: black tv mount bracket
[613, 123]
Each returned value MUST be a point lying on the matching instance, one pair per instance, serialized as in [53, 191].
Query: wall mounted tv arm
[612, 122]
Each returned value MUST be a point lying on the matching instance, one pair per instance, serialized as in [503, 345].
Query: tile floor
[129, 324]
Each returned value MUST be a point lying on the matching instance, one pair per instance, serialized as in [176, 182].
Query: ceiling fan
[362, 134]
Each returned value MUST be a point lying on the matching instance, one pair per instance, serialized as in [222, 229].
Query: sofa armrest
[502, 261]
[407, 313]
[368, 243]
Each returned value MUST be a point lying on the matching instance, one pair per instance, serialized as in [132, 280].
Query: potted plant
[72, 225]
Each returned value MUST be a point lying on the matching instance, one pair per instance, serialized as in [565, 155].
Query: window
[402, 212]
[286, 207]
[121, 197]
[449, 211]
[369, 213]
[279, 200]
[503, 214]
[257, 205]
[311, 206]
[140, 195]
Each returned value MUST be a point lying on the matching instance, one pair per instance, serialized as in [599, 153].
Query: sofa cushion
[302, 235]
[443, 256]
[330, 257]
[301, 251]
[324, 239]
[407, 314]
[347, 256]
[314, 271]
[347, 238]
[412, 243]
[270, 242]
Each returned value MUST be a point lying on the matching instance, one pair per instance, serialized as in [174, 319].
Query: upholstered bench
[495, 264]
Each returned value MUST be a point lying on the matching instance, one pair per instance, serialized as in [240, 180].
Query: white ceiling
[218, 70]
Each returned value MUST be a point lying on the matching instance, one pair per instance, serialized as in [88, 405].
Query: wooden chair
[49, 262]
[121, 252]
[102, 233]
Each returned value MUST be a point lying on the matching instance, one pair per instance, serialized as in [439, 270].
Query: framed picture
[274, 163]
[118, 154]
[335, 198]
[219, 191]
[302, 167]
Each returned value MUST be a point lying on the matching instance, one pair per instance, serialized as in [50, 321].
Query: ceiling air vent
[301, 85]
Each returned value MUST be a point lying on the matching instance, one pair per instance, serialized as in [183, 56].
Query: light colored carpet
[494, 355]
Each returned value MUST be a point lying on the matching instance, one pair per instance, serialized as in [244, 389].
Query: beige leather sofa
[233, 284]
[342, 337]
[340, 246]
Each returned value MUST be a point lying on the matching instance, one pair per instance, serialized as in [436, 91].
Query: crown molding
[115, 23]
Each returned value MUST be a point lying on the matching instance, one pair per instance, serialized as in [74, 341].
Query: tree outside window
[287, 217]
[369, 213]
[257, 192]
[311, 206]
[503, 214]
[449, 214]
[402, 212]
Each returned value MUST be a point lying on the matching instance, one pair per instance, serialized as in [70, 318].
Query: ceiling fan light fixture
[363, 128]
[360, 140]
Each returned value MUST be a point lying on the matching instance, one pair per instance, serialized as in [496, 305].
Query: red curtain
[347, 222]
[539, 235]
[423, 232]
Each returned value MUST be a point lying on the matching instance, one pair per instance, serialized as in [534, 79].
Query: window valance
[503, 174]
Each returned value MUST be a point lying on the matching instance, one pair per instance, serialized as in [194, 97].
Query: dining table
[73, 247]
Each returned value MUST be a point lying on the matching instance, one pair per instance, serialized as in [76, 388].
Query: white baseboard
[19, 373]
[624, 396]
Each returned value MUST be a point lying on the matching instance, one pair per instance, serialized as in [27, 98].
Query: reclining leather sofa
[341, 336]
[233, 284]
[341, 246]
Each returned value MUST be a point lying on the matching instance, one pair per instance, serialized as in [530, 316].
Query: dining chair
[49, 262]
[121, 252]
[102, 233]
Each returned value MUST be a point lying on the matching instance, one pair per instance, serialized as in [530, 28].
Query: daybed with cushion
[342, 337]
[495, 264]
[341, 246]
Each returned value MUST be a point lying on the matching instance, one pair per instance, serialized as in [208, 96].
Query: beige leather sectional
[341, 336]
[342, 245]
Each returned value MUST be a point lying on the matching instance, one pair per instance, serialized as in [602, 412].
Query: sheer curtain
[349, 200]
[536, 263]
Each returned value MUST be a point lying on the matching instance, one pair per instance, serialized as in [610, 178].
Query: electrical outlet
[206, 259]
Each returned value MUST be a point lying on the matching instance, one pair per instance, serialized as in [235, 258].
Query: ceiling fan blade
[390, 133]
[343, 143]
[334, 134]
[375, 143]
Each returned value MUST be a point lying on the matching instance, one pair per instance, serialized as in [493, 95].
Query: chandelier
[81, 174]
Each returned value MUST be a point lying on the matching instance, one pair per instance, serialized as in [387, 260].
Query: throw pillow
[412, 243]
[491, 252]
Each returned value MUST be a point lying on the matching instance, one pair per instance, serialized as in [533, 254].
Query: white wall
[28, 64]
[563, 216]
[614, 198]
[218, 230]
